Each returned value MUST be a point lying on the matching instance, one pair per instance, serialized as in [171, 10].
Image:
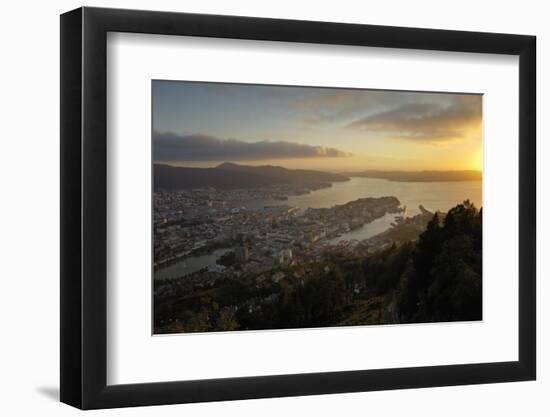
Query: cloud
[337, 105]
[428, 121]
[197, 147]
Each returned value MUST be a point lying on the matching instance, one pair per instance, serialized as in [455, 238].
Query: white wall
[29, 238]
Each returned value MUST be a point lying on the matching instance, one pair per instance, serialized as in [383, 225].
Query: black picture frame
[84, 207]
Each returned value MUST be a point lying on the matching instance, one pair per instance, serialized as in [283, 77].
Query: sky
[204, 124]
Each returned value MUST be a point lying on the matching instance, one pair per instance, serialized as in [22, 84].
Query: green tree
[227, 319]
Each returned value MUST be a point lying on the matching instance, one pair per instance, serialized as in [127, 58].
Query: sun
[477, 160]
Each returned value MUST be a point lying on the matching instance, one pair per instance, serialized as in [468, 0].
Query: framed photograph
[257, 208]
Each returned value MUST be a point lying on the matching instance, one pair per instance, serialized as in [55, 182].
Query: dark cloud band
[172, 147]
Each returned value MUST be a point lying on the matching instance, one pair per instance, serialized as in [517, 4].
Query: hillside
[233, 176]
[436, 277]
[297, 176]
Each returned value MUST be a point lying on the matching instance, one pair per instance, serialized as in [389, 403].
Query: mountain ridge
[229, 175]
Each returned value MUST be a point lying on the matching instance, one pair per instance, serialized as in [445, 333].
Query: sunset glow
[281, 207]
[204, 124]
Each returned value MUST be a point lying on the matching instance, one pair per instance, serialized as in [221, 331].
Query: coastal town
[293, 207]
[241, 238]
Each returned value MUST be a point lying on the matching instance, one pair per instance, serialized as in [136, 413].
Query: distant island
[233, 176]
[420, 176]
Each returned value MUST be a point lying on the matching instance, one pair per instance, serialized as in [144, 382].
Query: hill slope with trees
[435, 278]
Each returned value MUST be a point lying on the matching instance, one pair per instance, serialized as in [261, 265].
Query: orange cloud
[433, 122]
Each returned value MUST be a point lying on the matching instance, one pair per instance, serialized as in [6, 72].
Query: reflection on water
[189, 265]
[432, 195]
[367, 230]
